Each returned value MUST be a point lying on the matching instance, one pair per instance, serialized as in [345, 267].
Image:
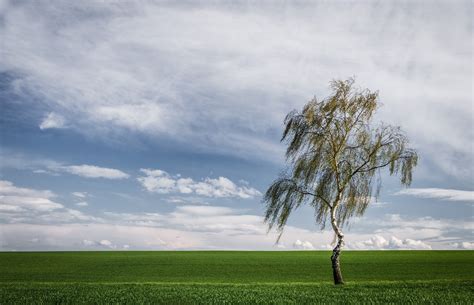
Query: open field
[208, 277]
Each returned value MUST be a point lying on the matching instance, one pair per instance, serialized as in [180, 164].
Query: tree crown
[333, 154]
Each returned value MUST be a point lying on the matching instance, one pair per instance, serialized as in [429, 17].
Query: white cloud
[24, 205]
[279, 246]
[303, 245]
[104, 243]
[30, 203]
[46, 166]
[7, 188]
[465, 245]
[92, 171]
[52, 120]
[415, 223]
[25, 217]
[191, 227]
[159, 181]
[180, 72]
[55, 168]
[80, 194]
[439, 193]
[17, 199]
[379, 243]
[204, 210]
[87, 242]
[212, 219]
[81, 204]
[187, 200]
[86, 236]
[439, 233]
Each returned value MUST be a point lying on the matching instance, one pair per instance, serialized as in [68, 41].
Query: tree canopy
[334, 153]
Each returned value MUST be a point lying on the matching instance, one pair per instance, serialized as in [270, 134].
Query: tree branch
[305, 192]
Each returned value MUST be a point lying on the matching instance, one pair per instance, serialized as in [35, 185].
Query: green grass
[217, 277]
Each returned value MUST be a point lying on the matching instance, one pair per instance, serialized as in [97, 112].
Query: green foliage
[334, 152]
[235, 277]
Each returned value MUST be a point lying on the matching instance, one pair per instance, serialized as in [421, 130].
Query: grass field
[296, 277]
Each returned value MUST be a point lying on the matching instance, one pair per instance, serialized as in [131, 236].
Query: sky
[150, 125]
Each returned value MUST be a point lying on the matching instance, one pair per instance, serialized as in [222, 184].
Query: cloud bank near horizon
[31, 220]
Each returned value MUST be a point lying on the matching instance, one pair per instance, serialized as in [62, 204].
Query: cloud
[52, 120]
[92, 171]
[279, 246]
[159, 181]
[379, 243]
[81, 204]
[87, 242]
[17, 199]
[464, 245]
[425, 222]
[8, 188]
[221, 79]
[439, 193]
[16, 160]
[80, 194]
[195, 227]
[205, 210]
[104, 243]
[198, 200]
[439, 233]
[85, 236]
[211, 219]
[24, 205]
[303, 245]
[50, 167]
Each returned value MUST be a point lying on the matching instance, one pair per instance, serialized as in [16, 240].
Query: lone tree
[333, 154]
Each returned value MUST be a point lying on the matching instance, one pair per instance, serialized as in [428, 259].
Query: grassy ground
[417, 277]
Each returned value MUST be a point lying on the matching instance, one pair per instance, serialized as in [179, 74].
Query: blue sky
[144, 125]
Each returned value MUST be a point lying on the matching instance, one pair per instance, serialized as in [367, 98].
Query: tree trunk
[336, 252]
[336, 267]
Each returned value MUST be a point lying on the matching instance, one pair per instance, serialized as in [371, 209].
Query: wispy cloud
[51, 167]
[8, 188]
[439, 193]
[52, 120]
[222, 79]
[79, 194]
[92, 171]
[25, 205]
[159, 181]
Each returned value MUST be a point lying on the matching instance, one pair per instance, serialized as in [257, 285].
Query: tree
[334, 153]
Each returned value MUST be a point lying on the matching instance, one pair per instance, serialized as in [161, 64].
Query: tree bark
[336, 267]
[336, 252]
